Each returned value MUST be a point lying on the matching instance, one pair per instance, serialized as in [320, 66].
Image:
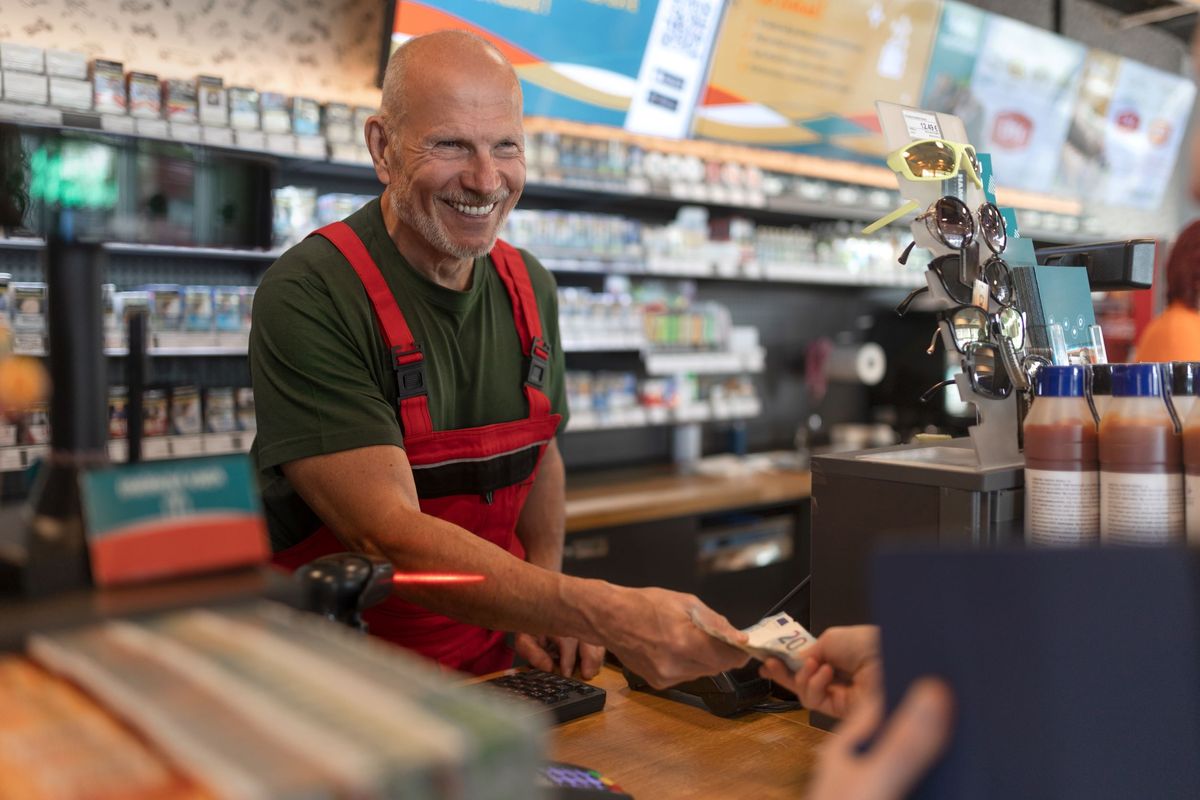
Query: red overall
[476, 478]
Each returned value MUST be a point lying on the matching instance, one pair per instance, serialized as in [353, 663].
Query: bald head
[422, 63]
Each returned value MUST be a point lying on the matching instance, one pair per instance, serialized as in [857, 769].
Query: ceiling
[1180, 26]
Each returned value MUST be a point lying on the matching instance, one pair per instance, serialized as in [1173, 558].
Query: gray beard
[432, 232]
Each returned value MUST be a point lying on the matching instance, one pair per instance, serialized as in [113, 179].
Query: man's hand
[839, 669]
[651, 631]
[558, 654]
[903, 751]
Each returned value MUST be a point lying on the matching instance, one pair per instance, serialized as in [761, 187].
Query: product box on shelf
[145, 95]
[28, 316]
[244, 400]
[361, 115]
[9, 433]
[71, 94]
[22, 57]
[66, 64]
[155, 417]
[211, 101]
[198, 308]
[243, 108]
[306, 116]
[118, 419]
[227, 309]
[128, 303]
[179, 101]
[275, 115]
[337, 123]
[166, 307]
[186, 419]
[108, 86]
[26, 87]
[220, 412]
[34, 428]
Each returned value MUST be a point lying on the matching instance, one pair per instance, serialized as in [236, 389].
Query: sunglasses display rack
[938, 171]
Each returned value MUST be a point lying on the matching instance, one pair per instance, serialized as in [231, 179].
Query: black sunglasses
[984, 367]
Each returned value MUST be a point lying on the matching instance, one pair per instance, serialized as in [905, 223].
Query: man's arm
[368, 498]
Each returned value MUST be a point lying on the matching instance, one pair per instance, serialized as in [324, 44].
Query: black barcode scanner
[341, 586]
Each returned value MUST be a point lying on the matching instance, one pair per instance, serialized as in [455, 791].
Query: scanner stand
[725, 694]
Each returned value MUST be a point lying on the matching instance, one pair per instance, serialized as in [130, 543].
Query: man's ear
[376, 133]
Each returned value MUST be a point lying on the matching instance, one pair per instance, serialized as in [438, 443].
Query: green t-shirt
[323, 380]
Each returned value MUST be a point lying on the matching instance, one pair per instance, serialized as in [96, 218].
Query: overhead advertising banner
[577, 59]
[1146, 121]
[1015, 96]
[805, 74]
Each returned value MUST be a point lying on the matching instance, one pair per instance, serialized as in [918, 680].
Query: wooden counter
[609, 499]
[659, 749]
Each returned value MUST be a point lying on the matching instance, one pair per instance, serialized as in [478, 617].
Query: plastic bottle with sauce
[1191, 476]
[1062, 477]
[1141, 469]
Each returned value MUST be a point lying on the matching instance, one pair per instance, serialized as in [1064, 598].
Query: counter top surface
[621, 498]
[657, 749]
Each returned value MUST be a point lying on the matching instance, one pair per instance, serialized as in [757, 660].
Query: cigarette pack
[306, 116]
[219, 410]
[166, 307]
[180, 101]
[70, 93]
[243, 108]
[186, 419]
[155, 419]
[25, 87]
[108, 86]
[227, 308]
[337, 123]
[211, 101]
[198, 308]
[66, 64]
[275, 116]
[145, 95]
[22, 57]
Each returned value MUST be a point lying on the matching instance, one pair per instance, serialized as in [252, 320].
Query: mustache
[473, 199]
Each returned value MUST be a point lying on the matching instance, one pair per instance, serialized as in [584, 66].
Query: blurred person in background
[1174, 335]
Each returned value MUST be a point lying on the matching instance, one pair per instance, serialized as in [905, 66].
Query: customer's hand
[560, 654]
[903, 751]
[839, 668]
[652, 632]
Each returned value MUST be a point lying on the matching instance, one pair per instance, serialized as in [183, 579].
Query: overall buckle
[539, 363]
[410, 376]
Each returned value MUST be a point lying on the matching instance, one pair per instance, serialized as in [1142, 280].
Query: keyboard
[565, 698]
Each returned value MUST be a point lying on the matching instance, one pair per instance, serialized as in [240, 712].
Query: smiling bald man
[409, 384]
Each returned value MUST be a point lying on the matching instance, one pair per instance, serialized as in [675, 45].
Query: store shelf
[645, 417]
[154, 448]
[608, 345]
[704, 362]
[132, 249]
[178, 345]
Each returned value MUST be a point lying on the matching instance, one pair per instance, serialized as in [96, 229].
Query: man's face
[461, 161]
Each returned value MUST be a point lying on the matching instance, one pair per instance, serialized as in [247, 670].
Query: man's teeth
[474, 211]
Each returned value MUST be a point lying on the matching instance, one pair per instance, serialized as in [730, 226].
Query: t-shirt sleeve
[314, 387]
[545, 288]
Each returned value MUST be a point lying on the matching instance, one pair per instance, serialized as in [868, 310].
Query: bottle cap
[1137, 380]
[1101, 378]
[1056, 380]
[1185, 378]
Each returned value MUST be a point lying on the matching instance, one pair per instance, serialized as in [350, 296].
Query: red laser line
[436, 577]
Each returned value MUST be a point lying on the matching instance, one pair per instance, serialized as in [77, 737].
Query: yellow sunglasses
[928, 160]
[935, 160]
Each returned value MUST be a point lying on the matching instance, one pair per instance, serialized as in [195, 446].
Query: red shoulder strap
[515, 276]
[407, 359]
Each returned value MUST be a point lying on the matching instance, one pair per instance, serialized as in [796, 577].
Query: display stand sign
[154, 520]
